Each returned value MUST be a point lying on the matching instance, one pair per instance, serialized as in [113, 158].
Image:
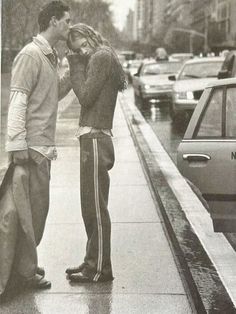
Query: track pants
[96, 159]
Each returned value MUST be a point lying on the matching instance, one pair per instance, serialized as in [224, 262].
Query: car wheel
[136, 100]
[163, 107]
[172, 112]
[130, 79]
[143, 103]
[189, 114]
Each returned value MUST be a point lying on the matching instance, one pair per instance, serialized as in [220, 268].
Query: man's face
[63, 26]
[81, 46]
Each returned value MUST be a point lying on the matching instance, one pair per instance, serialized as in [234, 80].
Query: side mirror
[223, 74]
[172, 77]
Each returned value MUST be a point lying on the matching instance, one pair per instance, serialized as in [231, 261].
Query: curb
[199, 275]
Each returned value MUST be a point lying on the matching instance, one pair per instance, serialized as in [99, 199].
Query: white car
[207, 154]
[132, 68]
[190, 83]
[151, 83]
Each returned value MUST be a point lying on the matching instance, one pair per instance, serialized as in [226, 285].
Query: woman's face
[82, 46]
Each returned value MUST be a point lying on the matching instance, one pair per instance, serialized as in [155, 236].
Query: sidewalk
[207, 259]
[146, 276]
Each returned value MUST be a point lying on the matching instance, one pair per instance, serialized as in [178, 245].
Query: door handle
[196, 157]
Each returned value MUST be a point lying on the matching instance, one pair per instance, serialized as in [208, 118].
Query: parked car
[207, 154]
[228, 68]
[151, 83]
[190, 83]
[132, 68]
[127, 54]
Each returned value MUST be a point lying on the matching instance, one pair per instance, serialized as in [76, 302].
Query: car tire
[143, 103]
[172, 112]
[136, 100]
[163, 107]
[189, 114]
[140, 103]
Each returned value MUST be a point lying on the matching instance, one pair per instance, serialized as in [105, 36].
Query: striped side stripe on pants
[98, 211]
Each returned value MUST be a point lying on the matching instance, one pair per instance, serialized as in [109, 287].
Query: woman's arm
[88, 81]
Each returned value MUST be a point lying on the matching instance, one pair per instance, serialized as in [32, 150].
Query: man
[35, 90]
[96, 77]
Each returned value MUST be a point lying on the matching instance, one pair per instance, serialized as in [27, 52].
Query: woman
[96, 77]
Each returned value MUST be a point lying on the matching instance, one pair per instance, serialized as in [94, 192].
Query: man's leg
[39, 167]
[26, 262]
[26, 253]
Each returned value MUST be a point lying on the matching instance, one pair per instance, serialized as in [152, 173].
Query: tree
[19, 22]
[96, 13]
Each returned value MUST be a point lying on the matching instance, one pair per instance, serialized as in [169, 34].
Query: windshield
[200, 70]
[135, 64]
[161, 68]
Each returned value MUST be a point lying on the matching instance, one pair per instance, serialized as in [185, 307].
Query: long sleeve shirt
[21, 102]
[16, 127]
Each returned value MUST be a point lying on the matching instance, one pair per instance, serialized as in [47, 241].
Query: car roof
[153, 61]
[205, 59]
[222, 82]
[182, 54]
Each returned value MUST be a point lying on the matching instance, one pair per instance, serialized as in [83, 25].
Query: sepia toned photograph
[118, 157]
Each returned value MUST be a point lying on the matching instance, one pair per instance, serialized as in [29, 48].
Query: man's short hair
[54, 8]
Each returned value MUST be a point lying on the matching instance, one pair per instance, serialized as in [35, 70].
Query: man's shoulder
[31, 50]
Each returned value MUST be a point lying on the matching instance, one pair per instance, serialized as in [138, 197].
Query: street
[170, 135]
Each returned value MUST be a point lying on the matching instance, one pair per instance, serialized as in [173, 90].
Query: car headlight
[184, 95]
[146, 86]
[190, 96]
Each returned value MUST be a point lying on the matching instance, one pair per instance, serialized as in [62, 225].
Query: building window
[223, 16]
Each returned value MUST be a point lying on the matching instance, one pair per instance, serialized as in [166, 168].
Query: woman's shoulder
[103, 52]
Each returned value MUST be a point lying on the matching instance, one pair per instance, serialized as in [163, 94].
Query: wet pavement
[147, 279]
[170, 135]
[206, 257]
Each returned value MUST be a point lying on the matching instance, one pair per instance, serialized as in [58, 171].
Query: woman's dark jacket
[95, 84]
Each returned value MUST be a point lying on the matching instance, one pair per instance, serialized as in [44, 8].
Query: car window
[211, 123]
[231, 112]
[200, 70]
[161, 68]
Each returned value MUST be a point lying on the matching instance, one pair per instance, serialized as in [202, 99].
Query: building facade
[177, 12]
[148, 19]
[129, 26]
[190, 25]
[217, 20]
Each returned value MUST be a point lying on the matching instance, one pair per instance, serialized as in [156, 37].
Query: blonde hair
[95, 39]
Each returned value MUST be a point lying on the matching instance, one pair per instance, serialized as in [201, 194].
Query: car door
[207, 155]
